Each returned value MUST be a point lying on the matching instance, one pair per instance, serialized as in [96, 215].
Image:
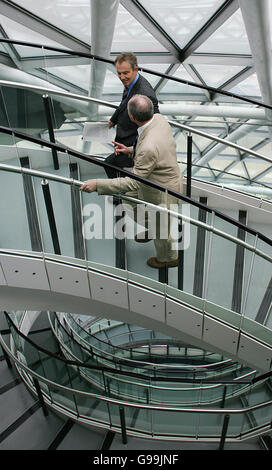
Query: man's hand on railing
[89, 186]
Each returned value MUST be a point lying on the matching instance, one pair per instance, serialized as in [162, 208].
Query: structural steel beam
[233, 137]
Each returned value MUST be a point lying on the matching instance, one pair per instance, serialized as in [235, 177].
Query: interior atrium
[99, 351]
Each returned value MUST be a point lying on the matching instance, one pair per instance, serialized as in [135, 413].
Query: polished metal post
[51, 216]
[123, 425]
[40, 396]
[48, 113]
[189, 165]
[224, 396]
[224, 432]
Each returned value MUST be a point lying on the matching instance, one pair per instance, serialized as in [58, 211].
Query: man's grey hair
[141, 108]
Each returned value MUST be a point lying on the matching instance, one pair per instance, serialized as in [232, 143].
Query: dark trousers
[121, 161]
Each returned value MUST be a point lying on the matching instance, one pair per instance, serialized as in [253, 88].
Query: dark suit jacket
[126, 131]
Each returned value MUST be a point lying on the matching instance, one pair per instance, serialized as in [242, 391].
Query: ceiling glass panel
[176, 87]
[248, 87]
[153, 79]
[19, 32]
[230, 38]
[257, 166]
[181, 19]
[130, 35]
[72, 16]
[216, 75]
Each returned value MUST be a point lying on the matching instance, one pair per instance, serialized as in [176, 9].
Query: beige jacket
[155, 159]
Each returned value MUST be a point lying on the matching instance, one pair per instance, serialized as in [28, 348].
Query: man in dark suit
[126, 130]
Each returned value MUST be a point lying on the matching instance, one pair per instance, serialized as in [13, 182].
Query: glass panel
[68, 17]
[230, 36]
[248, 87]
[177, 423]
[13, 214]
[216, 75]
[127, 30]
[222, 283]
[181, 19]
[258, 301]
[16, 30]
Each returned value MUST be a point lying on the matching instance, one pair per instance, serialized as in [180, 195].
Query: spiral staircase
[101, 351]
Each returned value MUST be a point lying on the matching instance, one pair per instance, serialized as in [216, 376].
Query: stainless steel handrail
[125, 403]
[152, 364]
[111, 105]
[182, 217]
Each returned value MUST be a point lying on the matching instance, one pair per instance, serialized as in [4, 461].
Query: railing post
[123, 425]
[120, 238]
[51, 216]
[40, 396]
[189, 165]
[48, 112]
[224, 396]
[224, 432]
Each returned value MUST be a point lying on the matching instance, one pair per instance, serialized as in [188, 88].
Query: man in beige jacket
[155, 159]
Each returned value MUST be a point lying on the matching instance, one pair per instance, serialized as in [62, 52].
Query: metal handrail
[91, 159]
[143, 363]
[151, 72]
[119, 402]
[201, 366]
[210, 228]
[89, 99]
[126, 373]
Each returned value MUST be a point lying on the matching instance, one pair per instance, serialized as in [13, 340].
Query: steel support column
[256, 17]
[103, 18]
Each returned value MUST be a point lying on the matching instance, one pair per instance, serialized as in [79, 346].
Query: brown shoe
[142, 237]
[154, 263]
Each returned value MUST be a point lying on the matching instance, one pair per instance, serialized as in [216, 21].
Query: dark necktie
[134, 146]
[125, 93]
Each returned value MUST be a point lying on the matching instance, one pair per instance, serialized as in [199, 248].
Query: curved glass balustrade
[46, 109]
[130, 343]
[159, 384]
[225, 267]
[63, 388]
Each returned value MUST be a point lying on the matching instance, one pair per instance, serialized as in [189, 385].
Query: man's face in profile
[125, 72]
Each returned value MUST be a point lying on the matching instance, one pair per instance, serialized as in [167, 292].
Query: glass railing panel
[77, 125]
[23, 110]
[14, 213]
[229, 265]
[176, 422]
[64, 399]
[136, 419]
[210, 424]
[93, 408]
[258, 300]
